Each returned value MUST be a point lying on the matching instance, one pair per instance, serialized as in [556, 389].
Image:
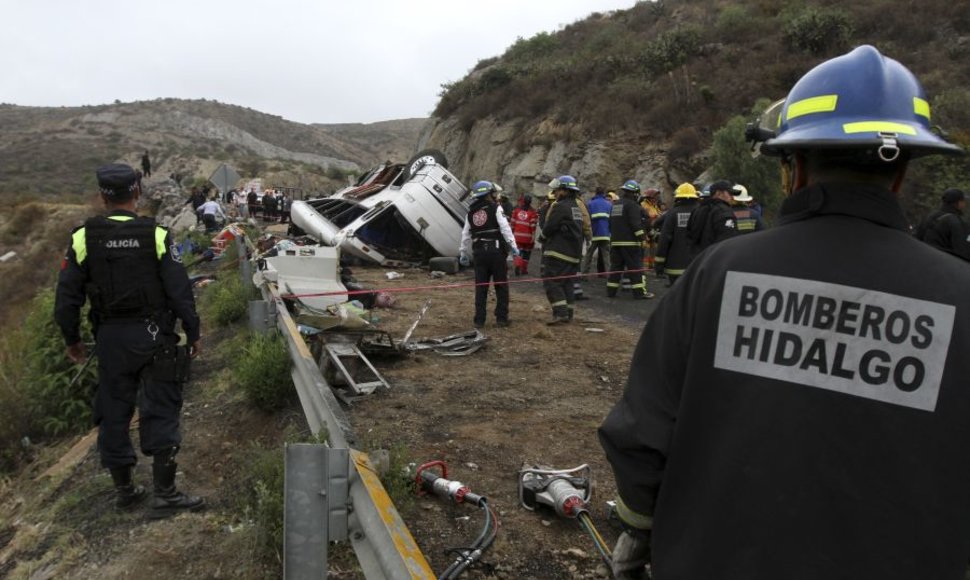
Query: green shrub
[261, 498]
[732, 160]
[226, 301]
[53, 405]
[818, 30]
[263, 373]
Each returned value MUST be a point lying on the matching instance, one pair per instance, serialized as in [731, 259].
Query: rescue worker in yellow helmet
[673, 252]
[795, 406]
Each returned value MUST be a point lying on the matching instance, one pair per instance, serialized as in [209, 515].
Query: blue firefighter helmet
[482, 188]
[564, 182]
[631, 186]
[858, 101]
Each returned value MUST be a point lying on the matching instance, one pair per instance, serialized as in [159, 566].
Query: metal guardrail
[365, 514]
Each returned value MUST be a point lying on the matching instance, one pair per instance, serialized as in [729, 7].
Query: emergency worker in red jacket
[524, 221]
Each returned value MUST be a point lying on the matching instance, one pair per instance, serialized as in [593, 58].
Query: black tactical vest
[123, 268]
[483, 225]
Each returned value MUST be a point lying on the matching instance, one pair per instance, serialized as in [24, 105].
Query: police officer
[130, 271]
[627, 232]
[562, 248]
[673, 255]
[810, 416]
[487, 237]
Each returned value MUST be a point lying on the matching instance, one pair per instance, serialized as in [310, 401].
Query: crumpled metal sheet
[461, 344]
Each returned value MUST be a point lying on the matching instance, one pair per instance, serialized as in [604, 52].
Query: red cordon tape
[461, 285]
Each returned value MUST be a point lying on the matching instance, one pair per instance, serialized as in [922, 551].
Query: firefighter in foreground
[488, 238]
[129, 269]
[799, 411]
[562, 248]
[626, 243]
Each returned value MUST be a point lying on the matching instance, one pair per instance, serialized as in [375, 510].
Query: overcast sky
[312, 61]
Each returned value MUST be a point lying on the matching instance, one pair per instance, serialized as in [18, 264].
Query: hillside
[641, 92]
[54, 150]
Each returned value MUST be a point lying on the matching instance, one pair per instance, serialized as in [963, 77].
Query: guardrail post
[315, 497]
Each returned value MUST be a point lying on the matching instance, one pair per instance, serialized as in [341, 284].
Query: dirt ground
[534, 395]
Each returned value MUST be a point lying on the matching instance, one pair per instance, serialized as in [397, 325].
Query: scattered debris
[394, 275]
[8, 256]
[594, 329]
[347, 369]
[461, 344]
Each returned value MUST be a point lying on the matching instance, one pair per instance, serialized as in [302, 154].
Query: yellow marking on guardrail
[404, 542]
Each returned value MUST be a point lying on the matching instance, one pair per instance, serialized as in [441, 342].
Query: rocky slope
[639, 93]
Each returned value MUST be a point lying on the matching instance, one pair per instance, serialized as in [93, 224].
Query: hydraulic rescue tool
[428, 481]
[567, 493]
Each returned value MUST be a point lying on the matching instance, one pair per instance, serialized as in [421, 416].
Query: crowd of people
[271, 205]
[625, 234]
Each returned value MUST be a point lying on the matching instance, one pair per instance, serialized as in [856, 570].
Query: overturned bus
[394, 214]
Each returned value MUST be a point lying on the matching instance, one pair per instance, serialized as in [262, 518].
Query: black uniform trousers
[125, 354]
[626, 259]
[559, 292]
[490, 266]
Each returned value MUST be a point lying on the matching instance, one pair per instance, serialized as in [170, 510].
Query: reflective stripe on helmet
[921, 107]
[878, 127]
[822, 104]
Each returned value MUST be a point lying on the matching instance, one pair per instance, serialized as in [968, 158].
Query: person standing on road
[129, 269]
[487, 237]
[746, 218]
[714, 221]
[799, 411]
[252, 200]
[653, 209]
[524, 222]
[562, 248]
[673, 255]
[599, 214]
[946, 229]
[626, 243]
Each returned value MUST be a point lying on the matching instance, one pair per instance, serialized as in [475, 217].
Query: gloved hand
[516, 252]
[464, 261]
[631, 555]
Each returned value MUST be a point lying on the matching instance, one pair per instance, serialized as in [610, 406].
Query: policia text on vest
[850, 340]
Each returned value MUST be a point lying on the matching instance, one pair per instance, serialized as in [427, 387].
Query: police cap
[117, 180]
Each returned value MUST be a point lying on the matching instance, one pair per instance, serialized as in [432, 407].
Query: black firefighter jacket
[712, 222]
[673, 252]
[949, 232]
[802, 412]
[563, 231]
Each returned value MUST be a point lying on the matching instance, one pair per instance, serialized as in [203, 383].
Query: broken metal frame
[382, 542]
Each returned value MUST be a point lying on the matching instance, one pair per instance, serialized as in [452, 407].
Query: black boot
[168, 500]
[128, 493]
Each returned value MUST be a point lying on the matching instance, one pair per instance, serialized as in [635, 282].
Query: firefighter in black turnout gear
[673, 255]
[795, 407]
[627, 232]
[946, 229]
[487, 237]
[713, 221]
[562, 248]
[130, 271]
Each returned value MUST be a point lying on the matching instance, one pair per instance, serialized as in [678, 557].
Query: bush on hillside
[263, 372]
[818, 30]
[733, 161]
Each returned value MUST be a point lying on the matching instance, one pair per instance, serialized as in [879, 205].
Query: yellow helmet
[551, 196]
[612, 195]
[685, 190]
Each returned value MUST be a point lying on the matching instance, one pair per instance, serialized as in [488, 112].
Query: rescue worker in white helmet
[487, 237]
[673, 254]
[746, 218]
[795, 406]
